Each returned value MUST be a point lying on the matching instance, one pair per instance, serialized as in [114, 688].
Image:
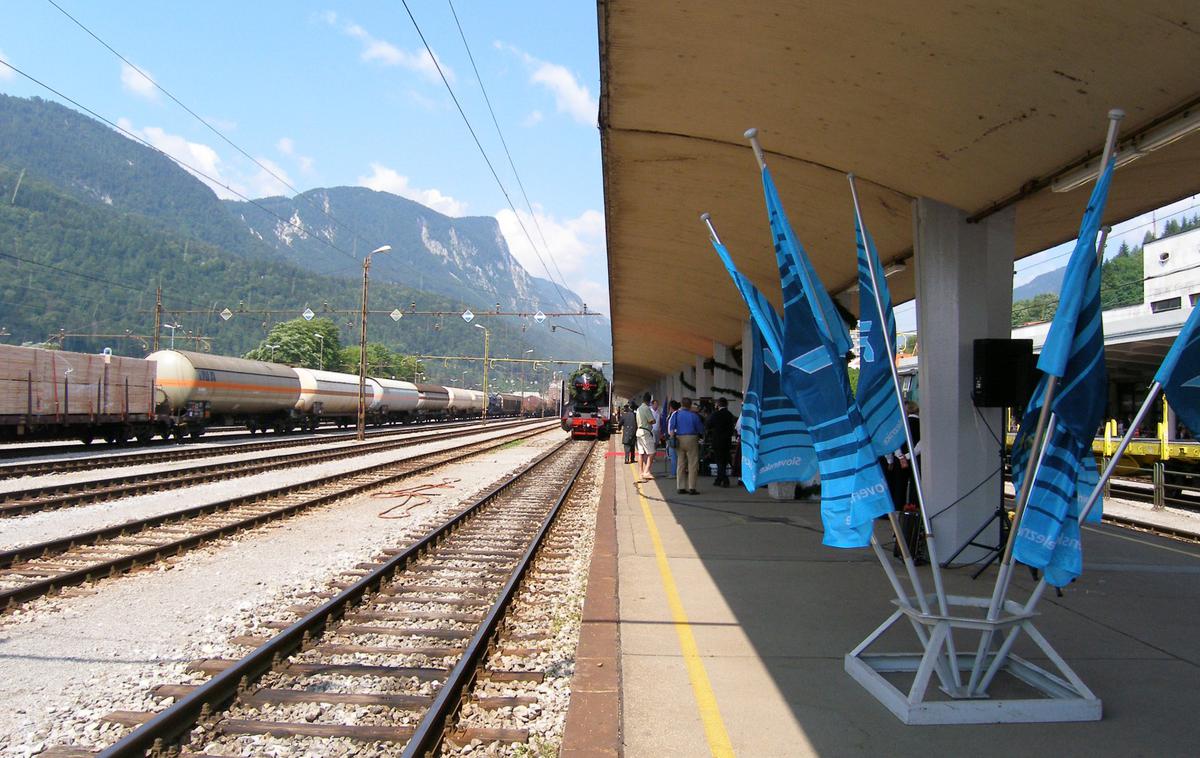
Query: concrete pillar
[725, 378]
[703, 379]
[964, 292]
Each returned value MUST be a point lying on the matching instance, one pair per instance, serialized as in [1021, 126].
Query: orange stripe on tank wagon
[227, 386]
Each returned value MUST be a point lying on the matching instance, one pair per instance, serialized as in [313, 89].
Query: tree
[382, 362]
[1121, 278]
[311, 344]
[1034, 310]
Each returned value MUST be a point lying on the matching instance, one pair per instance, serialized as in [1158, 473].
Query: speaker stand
[1000, 514]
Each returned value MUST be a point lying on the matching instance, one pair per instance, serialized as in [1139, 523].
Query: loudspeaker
[1003, 373]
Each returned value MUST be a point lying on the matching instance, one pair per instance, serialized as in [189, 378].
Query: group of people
[679, 428]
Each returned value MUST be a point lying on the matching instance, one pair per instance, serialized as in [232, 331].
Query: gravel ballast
[68, 661]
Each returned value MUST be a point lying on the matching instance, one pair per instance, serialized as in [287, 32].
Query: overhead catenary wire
[537, 224]
[486, 159]
[297, 193]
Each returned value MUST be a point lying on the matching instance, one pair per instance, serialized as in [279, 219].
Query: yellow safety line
[1142, 542]
[710, 714]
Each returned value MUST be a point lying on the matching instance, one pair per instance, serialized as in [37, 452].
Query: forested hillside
[69, 265]
[92, 222]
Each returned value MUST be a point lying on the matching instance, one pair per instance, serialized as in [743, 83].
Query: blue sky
[330, 94]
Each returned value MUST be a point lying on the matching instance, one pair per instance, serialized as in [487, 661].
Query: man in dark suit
[719, 432]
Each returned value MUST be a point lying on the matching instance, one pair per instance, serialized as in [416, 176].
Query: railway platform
[731, 620]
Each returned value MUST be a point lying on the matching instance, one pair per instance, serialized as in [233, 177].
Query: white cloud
[533, 119]
[384, 179]
[570, 96]
[6, 73]
[263, 184]
[200, 158]
[197, 155]
[224, 124]
[287, 146]
[142, 86]
[387, 54]
[576, 245]
[595, 295]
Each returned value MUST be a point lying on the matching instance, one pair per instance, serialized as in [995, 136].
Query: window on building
[1170, 304]
[1192, 298]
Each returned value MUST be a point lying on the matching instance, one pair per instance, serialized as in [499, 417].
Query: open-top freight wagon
[54, 394]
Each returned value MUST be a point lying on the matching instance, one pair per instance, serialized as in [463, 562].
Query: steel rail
[110, 567]
[170, 725]
[51, 497]
[430, 731]
[189, 452]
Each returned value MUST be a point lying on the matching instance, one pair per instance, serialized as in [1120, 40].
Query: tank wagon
[464, 403]
[200, 390]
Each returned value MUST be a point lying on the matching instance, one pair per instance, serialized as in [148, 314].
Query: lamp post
[362, 349]
[173, 327]
[321, 359]
[270, 346]
[486, 344]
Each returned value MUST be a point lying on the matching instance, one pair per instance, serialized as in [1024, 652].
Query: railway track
[21, 450]
[419, 627]
[35, 499]
[47, 567]
[191, 451]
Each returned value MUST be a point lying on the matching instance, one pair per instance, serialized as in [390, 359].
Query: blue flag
[876, 390]
[776, 445]
[1180, 373]
[853, 490]
[762, 312]
[1048, 537]
[824, 311]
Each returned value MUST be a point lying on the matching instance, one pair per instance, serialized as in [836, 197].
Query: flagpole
[935, 565]
[752, 135]
[1004, 574]
[1036, 595]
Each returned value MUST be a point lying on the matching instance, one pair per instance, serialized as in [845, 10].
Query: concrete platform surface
[734, 621]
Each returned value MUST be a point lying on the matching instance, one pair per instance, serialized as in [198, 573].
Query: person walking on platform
[686, 427]
[645, 437]
[672, 448]
[718, 430]
[629, 432]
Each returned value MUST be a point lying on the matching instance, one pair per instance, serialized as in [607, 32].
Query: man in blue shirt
[686, 427]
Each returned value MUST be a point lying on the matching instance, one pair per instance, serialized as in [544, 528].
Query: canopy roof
[977, 105]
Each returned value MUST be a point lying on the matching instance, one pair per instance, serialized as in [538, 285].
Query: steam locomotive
[587, 413]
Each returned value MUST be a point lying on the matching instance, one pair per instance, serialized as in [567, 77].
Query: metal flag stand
[1060, 694]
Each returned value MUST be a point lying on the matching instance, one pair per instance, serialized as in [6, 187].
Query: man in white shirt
[645, 437]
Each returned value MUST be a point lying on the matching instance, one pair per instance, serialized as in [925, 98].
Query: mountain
[98, 219]
[95, 164]
[462, 258]
[1047, 283]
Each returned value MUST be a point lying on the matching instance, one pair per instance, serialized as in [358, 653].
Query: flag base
[1035, 694]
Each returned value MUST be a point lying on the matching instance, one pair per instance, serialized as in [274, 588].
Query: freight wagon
[54, 394]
